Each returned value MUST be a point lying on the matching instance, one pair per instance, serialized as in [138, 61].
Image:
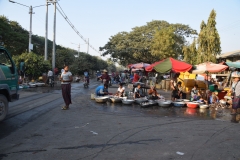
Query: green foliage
[163, 43]
[190, 53]
[209, 45]
[136, 46]
[86, 61]
[34, 64]
[15, 38]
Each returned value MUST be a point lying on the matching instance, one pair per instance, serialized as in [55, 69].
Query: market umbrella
[169, 64]
[209, 67]
[234, 64]
[140, 65]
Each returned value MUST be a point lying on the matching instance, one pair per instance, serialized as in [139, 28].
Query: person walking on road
[235, 92]
[66, 79]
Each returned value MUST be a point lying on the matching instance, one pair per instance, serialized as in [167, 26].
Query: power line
[71, 24]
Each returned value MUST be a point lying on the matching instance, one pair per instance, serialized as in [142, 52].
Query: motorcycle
[85, 83]
[51, 81]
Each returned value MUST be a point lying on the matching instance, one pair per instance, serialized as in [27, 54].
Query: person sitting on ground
[199, 98]
[214, 98]
[179, 90]
[152, 92]
[121, 90]
[138, 92]
[101, 90]
[194, 93]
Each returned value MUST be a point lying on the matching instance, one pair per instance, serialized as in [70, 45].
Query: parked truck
[8, 81]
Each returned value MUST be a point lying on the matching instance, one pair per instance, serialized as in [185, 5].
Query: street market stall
[209, 67]
[169, 64]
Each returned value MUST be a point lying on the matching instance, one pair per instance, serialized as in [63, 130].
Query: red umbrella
[169, 64]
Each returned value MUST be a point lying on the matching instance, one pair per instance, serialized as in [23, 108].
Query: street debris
[94, 132]
[180, 153]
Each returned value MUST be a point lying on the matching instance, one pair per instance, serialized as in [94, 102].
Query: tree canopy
[141, 44]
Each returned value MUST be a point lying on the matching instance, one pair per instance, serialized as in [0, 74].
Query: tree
[190, 53]
[213, 39]
[34, 64]
[163, 43]
[135, 46]
[209, 45]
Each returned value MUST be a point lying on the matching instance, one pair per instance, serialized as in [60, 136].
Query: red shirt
[136, 77]
[105, 76]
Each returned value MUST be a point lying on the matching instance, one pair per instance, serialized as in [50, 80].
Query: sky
[98, 20]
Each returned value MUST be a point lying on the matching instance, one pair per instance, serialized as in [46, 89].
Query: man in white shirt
[50, 75]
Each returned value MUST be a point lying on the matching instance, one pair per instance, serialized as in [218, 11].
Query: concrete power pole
[46, 34]
[54, 37]
[30, 31]
[88, 46]
[78, 49]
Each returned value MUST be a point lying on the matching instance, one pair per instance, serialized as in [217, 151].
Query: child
[194, 93]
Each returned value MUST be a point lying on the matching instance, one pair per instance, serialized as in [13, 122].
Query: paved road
[36, 128]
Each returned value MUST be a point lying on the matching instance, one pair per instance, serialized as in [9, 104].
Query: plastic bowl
[115, 99]
[192, 105]
[140, 100]
[204, 106]
[164, 103]
[101, 99]
[222, 102]
[178, 104]
[127, 101]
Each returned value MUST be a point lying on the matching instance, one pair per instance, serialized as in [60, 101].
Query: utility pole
[30, 32]
[54, 37]
[78, 49]
[88, 46]
[30, 46]
[46, 34]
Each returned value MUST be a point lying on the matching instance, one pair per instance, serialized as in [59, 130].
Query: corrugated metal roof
[229, 54]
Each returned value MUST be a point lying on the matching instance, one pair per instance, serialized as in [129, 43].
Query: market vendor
[235, 90]
[102, 90]
[194, 93]
[138, 92]
[152, 92]
[121, 90]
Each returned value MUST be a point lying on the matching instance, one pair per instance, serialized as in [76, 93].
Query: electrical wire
[60, 10]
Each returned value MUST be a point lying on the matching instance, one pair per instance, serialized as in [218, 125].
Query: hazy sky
[98, 20]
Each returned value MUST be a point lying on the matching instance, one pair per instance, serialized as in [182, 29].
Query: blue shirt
[86, 74]
[97, 91]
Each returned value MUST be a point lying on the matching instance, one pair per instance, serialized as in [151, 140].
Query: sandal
[64, 108]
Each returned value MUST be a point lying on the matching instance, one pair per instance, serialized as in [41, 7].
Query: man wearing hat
[105, 77]
[235, 90]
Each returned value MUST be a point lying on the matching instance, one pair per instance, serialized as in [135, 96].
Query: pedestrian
[105, 77]
[66, 79]
[235, 90]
